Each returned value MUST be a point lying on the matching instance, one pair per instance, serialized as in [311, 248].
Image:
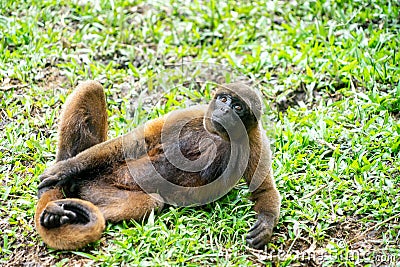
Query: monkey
[95, 179]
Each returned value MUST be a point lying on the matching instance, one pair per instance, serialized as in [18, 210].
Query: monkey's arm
[267, 205]
[266, 197]
[98, 157]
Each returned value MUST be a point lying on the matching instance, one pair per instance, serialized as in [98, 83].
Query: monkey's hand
[57, 175]
[261, 232]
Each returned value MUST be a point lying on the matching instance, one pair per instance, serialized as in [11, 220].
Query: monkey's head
[234, 105]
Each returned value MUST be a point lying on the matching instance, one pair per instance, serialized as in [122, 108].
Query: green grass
[329, 72]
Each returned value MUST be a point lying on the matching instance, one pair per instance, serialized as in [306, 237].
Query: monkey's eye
[223, 99]
[238, 107]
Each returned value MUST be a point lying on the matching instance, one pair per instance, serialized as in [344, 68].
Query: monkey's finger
[53, 219]
[258, 222]
[255, 230]
[43, 177]
[64, 219]
[46, 174]
[42, 217]
[69, 214]
[45, 220]
[262, 238]
[49, 220]
[48, 182]
[43, 190]
[259, 244]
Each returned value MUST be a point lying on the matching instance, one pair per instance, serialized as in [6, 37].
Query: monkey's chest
[193, 159]
[196, 159]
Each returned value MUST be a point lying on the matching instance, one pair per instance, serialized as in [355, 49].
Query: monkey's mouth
[219, 128]
[218, 124]
[226, 129]
[223, 124]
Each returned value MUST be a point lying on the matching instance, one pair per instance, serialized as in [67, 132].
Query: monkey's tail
[84, 226]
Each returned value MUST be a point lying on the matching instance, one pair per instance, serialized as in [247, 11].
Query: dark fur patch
[188, 144]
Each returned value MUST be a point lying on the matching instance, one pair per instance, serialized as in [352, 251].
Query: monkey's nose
[225, 110]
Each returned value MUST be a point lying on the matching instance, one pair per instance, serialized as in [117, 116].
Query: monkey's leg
[119, 204]
[73, 223]
[133, 145]
[83, 121]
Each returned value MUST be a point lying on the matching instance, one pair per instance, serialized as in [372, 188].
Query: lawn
[329, 74]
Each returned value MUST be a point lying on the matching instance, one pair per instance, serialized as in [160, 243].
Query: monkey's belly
[131, 174]
[155, 171]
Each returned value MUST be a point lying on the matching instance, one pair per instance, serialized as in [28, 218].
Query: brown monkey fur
[93, 182]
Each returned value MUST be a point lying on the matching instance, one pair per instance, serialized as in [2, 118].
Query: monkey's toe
[55, 215]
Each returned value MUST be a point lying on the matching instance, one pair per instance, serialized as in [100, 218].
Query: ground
[329, 73]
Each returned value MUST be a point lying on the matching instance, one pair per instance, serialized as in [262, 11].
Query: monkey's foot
[60, 212]
[261, 232]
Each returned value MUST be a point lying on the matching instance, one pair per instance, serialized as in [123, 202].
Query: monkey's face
[229, 116]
